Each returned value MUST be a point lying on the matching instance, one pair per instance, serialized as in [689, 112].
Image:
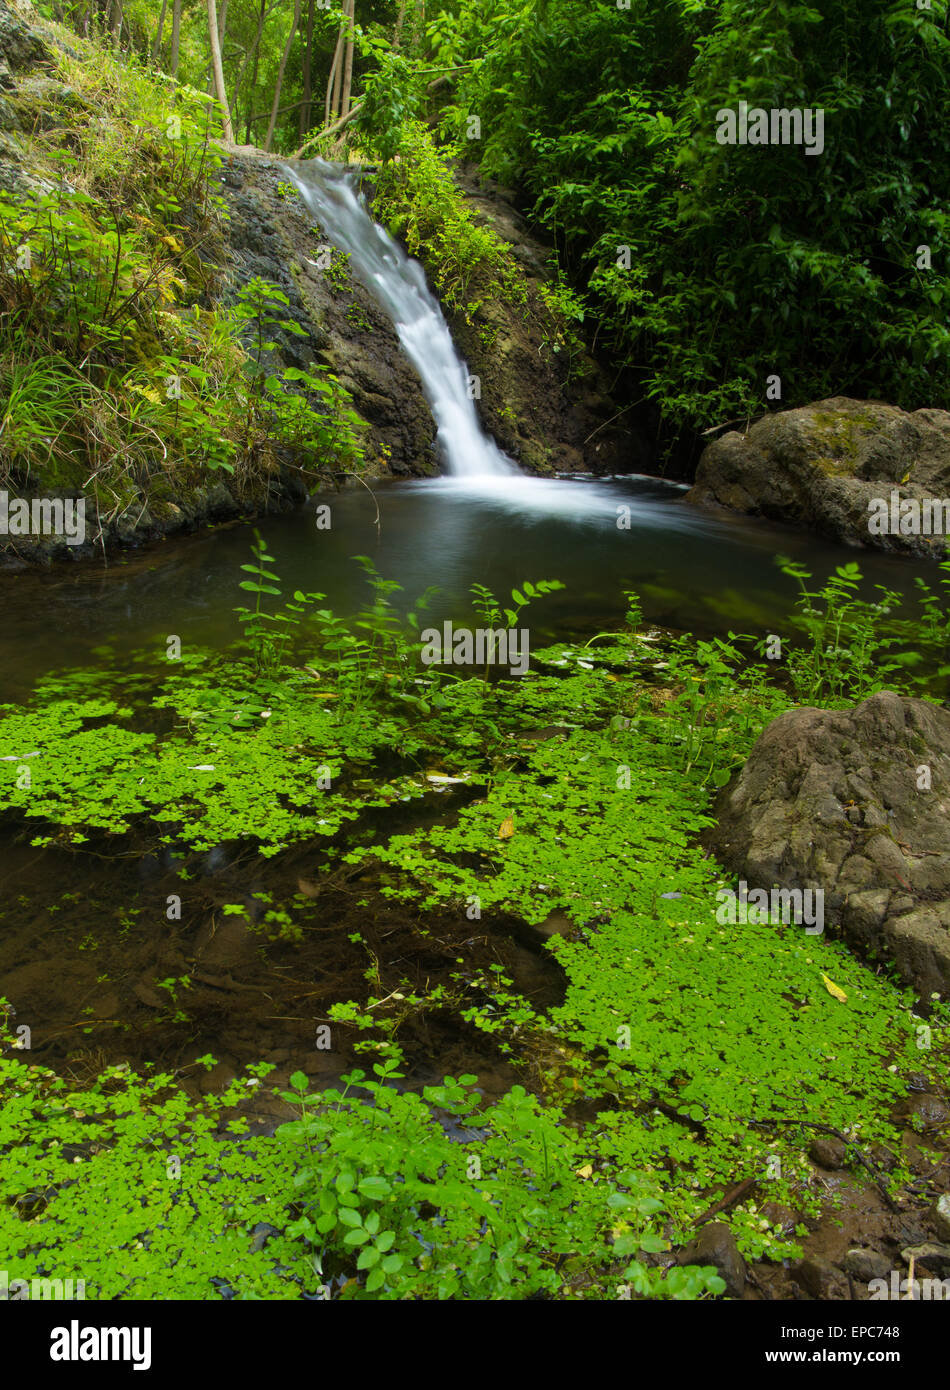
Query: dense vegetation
[122, 372]
[745, 261]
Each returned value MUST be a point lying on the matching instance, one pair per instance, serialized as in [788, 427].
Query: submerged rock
[716, 1245]
[821, 466]
[855, 803]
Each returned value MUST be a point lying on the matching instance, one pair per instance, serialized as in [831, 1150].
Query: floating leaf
[834, 990]
[507, 828]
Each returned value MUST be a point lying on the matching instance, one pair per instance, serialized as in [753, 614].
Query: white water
[399, 286]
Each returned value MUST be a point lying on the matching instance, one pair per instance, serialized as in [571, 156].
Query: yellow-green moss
[837, 438]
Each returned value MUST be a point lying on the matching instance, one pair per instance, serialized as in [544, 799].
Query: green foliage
[720, 702]
[857, 646]
[127, 1186]
[259, 626]
[417, 200]
[745, 260]
[492, 1218]
[697, 1047]
[393, 102]
[710, 1039]
[491, 614]
[116, 374]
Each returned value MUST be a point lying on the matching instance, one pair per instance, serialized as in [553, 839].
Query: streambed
[76, 925]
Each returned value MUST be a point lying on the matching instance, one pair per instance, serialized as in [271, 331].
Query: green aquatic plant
[848, 653]
[129, 1186]
[701, 1045]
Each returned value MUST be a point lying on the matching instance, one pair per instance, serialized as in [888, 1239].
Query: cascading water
[399, 286]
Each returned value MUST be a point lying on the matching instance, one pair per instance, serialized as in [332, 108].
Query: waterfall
[398, 284]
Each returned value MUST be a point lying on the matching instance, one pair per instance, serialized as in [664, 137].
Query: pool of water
[693, 569]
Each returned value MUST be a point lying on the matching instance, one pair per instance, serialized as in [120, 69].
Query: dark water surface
[706, 572]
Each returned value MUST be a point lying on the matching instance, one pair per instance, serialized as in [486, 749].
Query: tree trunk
[115, 19]
[332, 103]
[348, 60]
[304, 122]
[176, 35]
[251, 56]
[158, 33]
[257, 50]
[217, 72]
[397, 32]
[280, 75]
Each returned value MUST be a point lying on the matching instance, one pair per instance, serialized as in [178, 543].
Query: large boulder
[821, 465]
[855, 803]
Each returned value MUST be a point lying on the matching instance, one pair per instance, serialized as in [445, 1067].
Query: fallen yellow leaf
[586, 1171]
[507, 828]
[834, 990]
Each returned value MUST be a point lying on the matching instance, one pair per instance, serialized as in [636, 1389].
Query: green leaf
[375, 1188]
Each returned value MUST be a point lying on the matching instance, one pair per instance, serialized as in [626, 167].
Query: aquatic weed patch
[230, 768]
[713, 1045]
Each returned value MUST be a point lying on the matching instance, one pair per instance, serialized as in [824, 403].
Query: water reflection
[693, 569]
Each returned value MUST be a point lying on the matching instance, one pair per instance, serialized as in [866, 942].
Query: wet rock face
[21, 46]
[545, 423]
[272, 235]
[855, 803]
[821, 465]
